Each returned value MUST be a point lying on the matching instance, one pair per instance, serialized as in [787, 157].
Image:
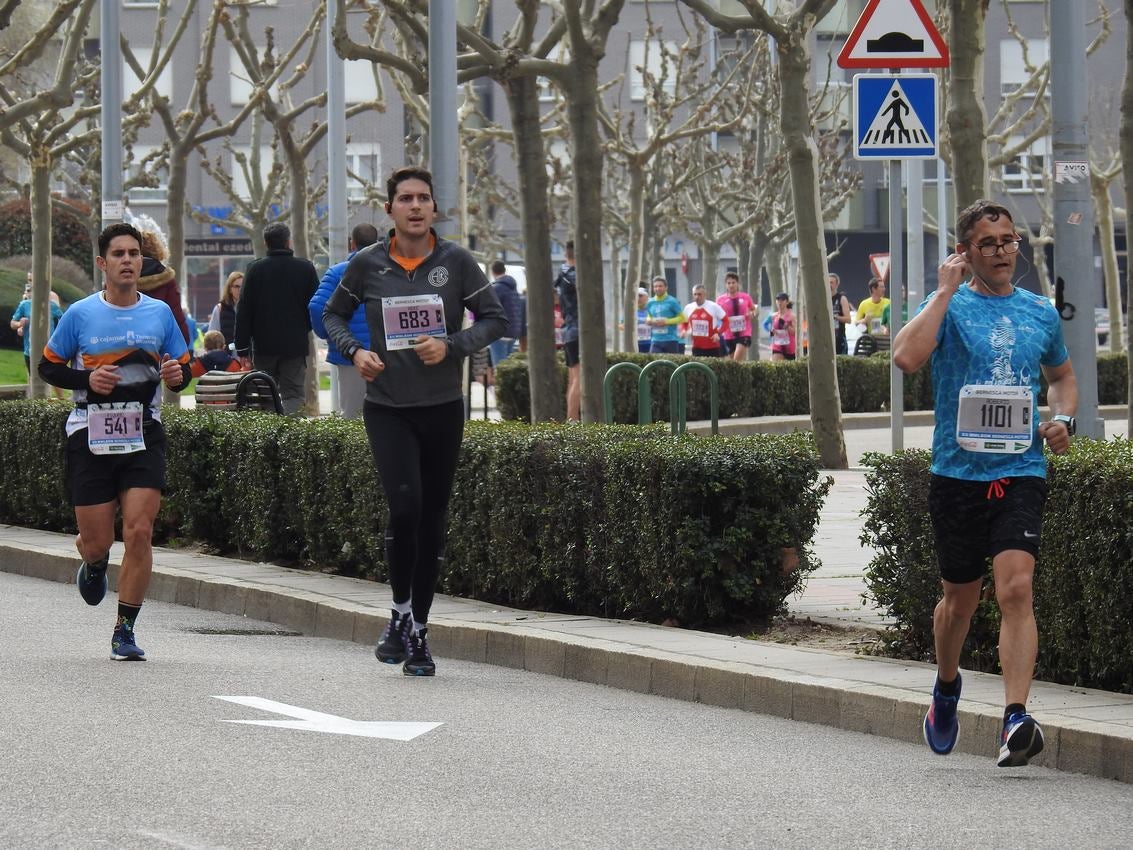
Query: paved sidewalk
[1087, 731]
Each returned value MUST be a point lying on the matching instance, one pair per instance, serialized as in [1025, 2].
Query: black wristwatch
[1069, 421]
[349, 351]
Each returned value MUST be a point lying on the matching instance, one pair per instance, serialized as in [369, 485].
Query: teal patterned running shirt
[986, 339]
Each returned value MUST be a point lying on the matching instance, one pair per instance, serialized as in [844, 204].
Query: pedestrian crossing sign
[895, 116]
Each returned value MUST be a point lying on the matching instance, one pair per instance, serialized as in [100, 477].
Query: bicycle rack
[678, 397]
[678, 393]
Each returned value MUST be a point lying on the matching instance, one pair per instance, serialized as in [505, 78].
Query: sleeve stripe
[477, 292]
[353, 297]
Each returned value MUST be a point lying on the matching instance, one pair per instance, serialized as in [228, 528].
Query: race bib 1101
[996, 419]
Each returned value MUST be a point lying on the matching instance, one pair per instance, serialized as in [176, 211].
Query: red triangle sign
[894, 34]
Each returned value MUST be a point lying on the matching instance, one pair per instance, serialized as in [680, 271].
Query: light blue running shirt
[987, 339]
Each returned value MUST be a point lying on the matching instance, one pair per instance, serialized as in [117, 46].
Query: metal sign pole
[896, 279]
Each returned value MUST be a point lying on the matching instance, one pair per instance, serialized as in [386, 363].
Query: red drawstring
[995, 488]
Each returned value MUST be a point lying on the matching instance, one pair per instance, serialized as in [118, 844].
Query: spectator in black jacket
[504, 285]
[272, 323]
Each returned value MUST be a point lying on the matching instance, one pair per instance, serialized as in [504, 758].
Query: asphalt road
[116, 754]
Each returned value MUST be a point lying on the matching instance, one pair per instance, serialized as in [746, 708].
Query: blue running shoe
[122, 645]
[1021, 740]
[941, 725]
[420, 661]
[393, 648]
[91, 579]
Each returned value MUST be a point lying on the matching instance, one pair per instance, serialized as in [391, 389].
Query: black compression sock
[948, 689]
[128, 613]
[1014, 708]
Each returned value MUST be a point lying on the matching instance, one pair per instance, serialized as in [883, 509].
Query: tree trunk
[176, 193]
[802, 153]
[1126, 142]
[636, 251]
[1041, 270]
[757, 252]
[582, 108]
[39, 327]
[1099, 188]
[613, 251]
[966, 118]
[547, 402]
[709, 265]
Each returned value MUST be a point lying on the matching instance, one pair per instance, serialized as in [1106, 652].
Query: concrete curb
[1087, 732]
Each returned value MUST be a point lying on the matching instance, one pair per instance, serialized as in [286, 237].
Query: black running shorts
[976, 520]
[97, 479]
[735, 341]
[570, 352]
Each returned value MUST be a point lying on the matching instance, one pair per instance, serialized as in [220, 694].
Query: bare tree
[965, 118]
[188, 129]
[683, 100]
[791, 31]
[36, 124]
[1126, 147]
[515, 62]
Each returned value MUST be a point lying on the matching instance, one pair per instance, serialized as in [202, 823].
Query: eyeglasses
[1009, 247]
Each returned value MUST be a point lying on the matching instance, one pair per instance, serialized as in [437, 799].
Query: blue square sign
[895, 116]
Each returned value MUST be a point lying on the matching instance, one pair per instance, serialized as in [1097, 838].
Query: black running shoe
[420, 661]
[941, 726]
[1021, 740]
[393, 648]
[91, 579]
[123, 645]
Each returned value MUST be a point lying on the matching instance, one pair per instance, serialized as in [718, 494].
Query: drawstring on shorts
[995, 488]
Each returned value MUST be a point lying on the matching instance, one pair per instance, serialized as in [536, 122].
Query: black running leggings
[415, 451]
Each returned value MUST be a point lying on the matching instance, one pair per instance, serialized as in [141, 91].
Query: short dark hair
[111, 232]
[498, 267]
[408, 172]
[277, 235]
[972, 213]
[732, 275]
[874, 282]
[570, 248]
[363, 235]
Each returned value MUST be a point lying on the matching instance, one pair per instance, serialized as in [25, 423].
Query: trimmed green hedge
[752, 388]
[607, 521]
[1083, 588]
[764, 387]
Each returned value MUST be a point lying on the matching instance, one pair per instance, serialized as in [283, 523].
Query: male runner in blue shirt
[113, 349]
[988, 342]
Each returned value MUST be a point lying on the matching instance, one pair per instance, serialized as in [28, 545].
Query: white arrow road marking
[316, 721]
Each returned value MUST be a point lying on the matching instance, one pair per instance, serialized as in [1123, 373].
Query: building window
[548, 91]
[1025, 173]
[131, 82]
[241, 172]
[142, 169]
[1018, 61]
[825, 62]
[658, 60]
[240, 87]
[363, 170]
[360, 83]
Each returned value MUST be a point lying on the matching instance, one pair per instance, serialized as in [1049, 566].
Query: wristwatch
[1069, 421]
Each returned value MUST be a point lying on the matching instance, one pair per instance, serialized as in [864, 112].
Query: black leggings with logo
[415, 451]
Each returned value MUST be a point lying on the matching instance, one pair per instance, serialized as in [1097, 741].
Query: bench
[238, 391]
